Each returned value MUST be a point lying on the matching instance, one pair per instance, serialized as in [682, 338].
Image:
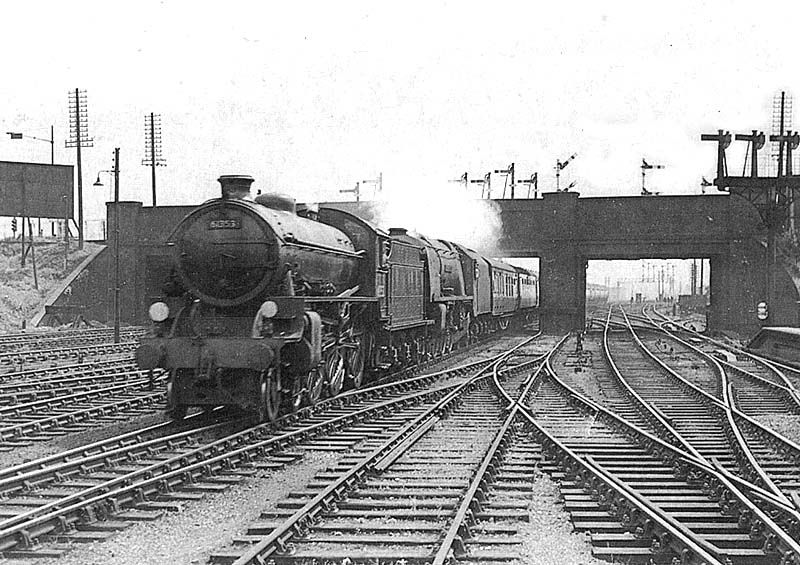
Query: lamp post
[115, 172]
[98, 183]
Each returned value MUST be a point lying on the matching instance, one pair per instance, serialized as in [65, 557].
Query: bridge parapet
[628, 227]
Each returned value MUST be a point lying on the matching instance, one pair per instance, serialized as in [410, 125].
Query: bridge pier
[562, 267]
[562, 289]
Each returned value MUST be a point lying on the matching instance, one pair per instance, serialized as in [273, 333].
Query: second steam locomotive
[271, 310]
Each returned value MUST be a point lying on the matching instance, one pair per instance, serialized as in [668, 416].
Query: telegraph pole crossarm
[78, 138]
[152, 148]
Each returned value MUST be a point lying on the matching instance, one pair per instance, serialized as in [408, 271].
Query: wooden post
[116, 246]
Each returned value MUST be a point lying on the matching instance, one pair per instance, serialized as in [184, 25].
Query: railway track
[61, 413]
[680, 423]
[764, 457]
[21, 392]
[118, 482]
[393, 496]
[740, 363]
[19, 361]
[39, 404]
[707, 506]
[747, 388]
[430, 475]
[47, 376]
[759, 388]
[31, 341]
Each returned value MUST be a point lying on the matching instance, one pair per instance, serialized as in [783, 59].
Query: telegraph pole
[152, 147]
[79, 137]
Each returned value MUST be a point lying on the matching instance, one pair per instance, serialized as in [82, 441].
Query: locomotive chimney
[398, 231]
[236, 187]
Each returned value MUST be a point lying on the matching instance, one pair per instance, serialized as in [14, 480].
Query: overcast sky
[311, 97]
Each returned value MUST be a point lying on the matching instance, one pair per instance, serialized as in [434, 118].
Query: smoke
[441, 210]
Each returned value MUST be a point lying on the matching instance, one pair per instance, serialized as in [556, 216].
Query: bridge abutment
[739, 282]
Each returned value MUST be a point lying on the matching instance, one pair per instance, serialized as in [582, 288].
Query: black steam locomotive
[270, 310]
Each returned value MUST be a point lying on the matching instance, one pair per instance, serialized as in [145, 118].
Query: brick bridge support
[562, 268]
[562, 288]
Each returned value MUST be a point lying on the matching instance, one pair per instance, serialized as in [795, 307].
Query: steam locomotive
[269, 310]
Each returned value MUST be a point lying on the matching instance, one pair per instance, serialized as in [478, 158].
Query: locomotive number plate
[232, 224]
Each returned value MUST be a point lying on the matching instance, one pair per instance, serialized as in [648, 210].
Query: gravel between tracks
[189, 536]
[786, 425]
[548, 538]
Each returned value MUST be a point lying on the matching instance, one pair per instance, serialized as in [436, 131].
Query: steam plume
[441, 210]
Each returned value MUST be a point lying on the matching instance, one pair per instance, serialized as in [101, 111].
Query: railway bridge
[562, 229]
[565, 231]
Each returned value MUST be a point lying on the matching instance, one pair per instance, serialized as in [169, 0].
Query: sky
[311, 97]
